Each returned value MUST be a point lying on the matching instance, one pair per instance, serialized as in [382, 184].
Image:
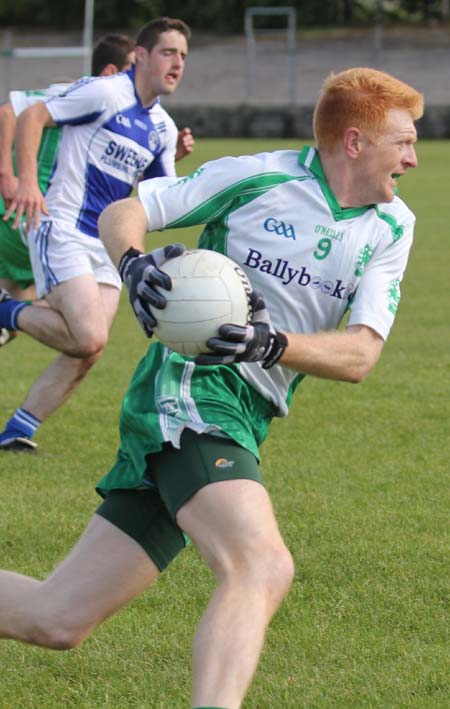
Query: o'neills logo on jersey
[280, 268]
[123, 158]
[330, 232]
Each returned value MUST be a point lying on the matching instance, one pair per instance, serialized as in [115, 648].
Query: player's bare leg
[78, 319]
[233, 525]
[59, 380]
[103, 573]
[52, 389]
[15, 291]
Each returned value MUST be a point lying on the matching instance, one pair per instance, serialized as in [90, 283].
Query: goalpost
[251, 33]
[83, 51]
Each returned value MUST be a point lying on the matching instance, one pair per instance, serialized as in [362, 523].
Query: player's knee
[83, 365]
[90, 345]
[286, 573]
[269, 570]
[49, 621]
[62, 638]
[56, 633]
[278, 572]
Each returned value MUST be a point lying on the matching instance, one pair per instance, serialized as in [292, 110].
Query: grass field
[359, 477]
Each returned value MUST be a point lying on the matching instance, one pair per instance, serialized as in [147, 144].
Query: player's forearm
[30, 126]
[7, 129]
[123, 225]
[28, 137]
[344, 356]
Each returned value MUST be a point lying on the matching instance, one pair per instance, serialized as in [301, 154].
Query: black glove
[141, 273]
[255, 342]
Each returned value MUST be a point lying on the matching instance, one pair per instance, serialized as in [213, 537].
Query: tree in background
[218, 16]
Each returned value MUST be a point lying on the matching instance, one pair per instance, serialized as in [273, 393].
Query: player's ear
[109, 70]
[352, 142]
[140, 53]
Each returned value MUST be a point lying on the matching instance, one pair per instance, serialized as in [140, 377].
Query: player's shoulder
[284, 160]
[396, 211]
[159, 114]
[20, 100]
[92, 96]
[37, 94]
[101, 85]
[395, 221]
[280, 161]
[58, 89]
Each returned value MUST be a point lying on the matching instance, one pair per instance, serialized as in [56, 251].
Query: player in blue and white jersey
[114, 133]
[321, 234]
[111, 54]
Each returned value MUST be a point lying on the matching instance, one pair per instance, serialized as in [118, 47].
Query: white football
[208, 289]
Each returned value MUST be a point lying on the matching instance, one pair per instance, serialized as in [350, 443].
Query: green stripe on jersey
[309, 158]
[245, 190]
[396, 228]
[48, 150]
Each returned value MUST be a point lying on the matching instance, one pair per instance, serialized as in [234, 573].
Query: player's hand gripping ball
[144, 280]
[256, 342]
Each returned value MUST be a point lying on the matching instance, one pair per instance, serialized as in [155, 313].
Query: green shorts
[169, 393]
[173, 476]
[14, 257]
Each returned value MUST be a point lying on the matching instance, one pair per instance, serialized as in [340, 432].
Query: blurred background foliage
[220, 16]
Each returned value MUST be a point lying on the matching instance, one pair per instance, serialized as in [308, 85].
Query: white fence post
[250, 37]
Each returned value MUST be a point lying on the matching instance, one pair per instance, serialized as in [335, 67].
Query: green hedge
[223, 16]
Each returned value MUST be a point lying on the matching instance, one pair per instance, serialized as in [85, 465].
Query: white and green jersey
[51, 137]
[275, 215]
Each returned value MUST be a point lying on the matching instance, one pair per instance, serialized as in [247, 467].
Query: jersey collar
[131, 75]
[309, 158]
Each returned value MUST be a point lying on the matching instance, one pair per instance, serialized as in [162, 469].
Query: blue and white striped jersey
[109, 141]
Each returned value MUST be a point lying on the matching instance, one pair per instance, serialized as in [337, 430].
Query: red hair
[360, 97]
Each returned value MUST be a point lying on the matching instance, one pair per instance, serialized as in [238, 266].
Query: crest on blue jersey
[153, 140]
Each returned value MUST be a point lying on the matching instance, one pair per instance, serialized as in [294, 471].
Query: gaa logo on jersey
[280, 228]
[153, 140]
